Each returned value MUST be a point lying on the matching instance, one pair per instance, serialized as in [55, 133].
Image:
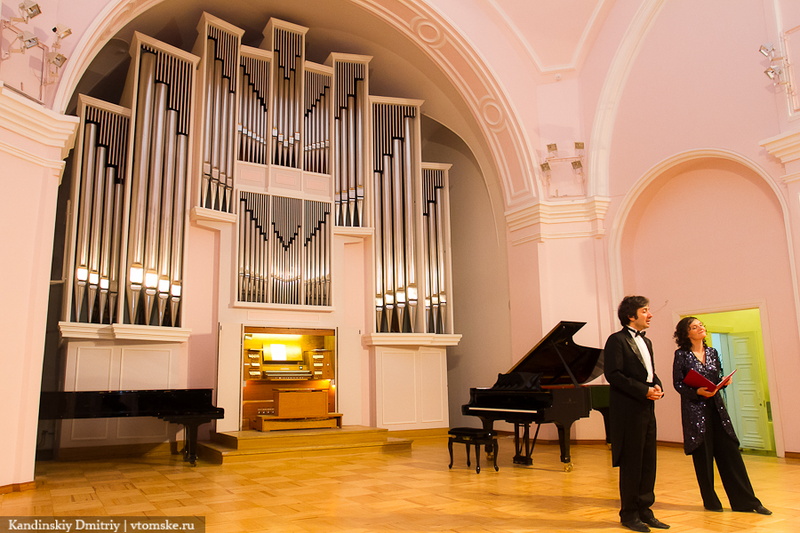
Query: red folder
[695, 380]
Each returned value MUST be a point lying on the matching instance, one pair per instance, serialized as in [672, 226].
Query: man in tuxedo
[635, 387]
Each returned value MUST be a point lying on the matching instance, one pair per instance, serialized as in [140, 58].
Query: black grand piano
[189, 407]
[547, 385]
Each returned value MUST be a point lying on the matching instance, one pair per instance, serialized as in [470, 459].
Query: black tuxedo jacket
[630, 410]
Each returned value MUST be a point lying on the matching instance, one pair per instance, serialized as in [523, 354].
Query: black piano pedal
[474, 437]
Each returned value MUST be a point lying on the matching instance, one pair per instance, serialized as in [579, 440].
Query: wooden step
[238, 446]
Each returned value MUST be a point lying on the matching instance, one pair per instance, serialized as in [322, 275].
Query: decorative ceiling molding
[475, 81]
[610, 96]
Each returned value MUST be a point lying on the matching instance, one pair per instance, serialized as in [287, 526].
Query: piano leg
[563, 442]
[488, 425]
[523, 443]
[190, 450]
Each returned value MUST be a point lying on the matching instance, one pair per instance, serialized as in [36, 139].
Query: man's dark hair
[629, 306]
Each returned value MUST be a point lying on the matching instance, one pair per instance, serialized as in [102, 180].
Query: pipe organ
[317, 104]
[350, 109]
[221, 67]
[435, 245]
[253, 107]
[160, 148]
[395, 169]
[287, 45]
[98, 192]
[280, 150]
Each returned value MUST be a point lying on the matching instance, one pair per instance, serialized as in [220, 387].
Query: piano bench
[477, 437]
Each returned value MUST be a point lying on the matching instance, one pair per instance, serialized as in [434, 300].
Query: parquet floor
[410, 492]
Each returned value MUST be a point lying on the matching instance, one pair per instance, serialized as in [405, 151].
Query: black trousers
[720, 447]
[637, 473]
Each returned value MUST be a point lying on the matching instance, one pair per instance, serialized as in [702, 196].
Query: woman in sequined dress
[708, 433]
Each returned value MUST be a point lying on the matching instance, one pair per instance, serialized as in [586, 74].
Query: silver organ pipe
[434, 212]
[316, 122]
[158, 187]
[254, 233]
[350, 80]
[97, 199]
[254, 105]
[394, 176]
[317, 263]
[219, 126]
[287, 48]
[286, 250]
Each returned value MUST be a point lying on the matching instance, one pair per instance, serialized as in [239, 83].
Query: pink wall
[708, 235]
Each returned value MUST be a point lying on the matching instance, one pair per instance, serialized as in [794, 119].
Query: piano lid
[559, 360]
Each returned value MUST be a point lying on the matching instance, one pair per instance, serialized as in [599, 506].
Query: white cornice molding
[33, 121]
[211, 219]
[76, 330]
[411, 340]
[785, 146]
[558, 220]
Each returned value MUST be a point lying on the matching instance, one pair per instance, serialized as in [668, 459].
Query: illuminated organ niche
[356, 158]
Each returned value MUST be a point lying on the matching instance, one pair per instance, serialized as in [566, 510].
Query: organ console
[189, 407]
[549, 384]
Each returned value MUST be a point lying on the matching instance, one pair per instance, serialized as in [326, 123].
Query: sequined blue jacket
[695, 408]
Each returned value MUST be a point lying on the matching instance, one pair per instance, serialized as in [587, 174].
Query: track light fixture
[773, 73]
[776, 70]
[560, 182]
[29, 9]
[56, 59]
[62, 32]
[28, 40]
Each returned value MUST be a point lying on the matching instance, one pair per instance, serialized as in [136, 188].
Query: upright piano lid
[584, 363]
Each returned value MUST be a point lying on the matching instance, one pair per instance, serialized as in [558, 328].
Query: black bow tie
[638, 333]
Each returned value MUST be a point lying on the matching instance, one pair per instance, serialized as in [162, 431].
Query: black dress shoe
[714, 509]
[655, 522]
[636, 525]
[760, 509]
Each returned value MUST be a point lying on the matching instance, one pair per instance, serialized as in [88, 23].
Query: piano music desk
[477, 437]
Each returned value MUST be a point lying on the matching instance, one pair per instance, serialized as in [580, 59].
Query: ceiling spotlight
[54, 58]
[29, 9]
[766, 50]
[577, 165]
[578, 145]
[62, 32]
[545, 166]
[28, 40]
[773, 73]
[552, 147]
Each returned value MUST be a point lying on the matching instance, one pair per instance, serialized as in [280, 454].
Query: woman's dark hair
[681, 334]
[629, 306]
